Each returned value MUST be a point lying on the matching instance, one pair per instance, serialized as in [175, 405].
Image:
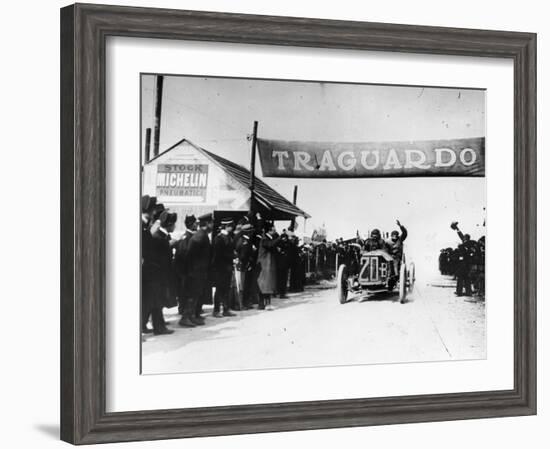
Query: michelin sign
[187, 182]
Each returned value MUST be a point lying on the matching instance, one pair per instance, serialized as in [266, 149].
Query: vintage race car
[379, 272]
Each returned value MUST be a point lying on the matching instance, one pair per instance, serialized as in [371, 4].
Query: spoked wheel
[403, 283]
[412, 277]
[342, 284]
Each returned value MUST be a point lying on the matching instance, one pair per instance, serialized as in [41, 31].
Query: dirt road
[313, 329]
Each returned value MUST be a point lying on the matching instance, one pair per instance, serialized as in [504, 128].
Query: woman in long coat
[267, 279]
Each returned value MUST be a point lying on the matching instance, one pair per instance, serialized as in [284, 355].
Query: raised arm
[454, 225]
[404, 232]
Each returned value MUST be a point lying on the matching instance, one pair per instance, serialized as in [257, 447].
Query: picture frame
[84, 29]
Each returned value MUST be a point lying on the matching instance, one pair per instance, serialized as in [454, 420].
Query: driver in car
[375, 241]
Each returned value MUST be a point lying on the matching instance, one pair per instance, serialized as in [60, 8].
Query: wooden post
[253, 165]
[147, 145]
[158, 111]
[294, 198]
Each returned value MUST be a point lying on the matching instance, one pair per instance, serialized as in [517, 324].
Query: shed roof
[267, 196]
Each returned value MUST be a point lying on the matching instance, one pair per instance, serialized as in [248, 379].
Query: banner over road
[293, 159]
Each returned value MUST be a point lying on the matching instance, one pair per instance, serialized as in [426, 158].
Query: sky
[218, 114]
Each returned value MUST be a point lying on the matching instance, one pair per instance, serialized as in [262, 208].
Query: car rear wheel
[402, 283]
[342, 284]
[412, 277]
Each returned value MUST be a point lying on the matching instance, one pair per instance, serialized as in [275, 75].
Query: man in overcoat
[267, 265]
[161, 260]
[244, 248]
[199, 274]
[283, 264]
[182, 264]
[467, 254]
[147, 271]
[294, 262]
[222, 266]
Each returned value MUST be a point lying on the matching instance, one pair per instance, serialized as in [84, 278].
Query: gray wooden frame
[84, 29]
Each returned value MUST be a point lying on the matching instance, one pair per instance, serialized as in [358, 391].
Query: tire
[403, 283]
[342, 284]
[412, 277]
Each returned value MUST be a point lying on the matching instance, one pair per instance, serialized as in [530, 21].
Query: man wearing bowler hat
[162, 264]
[222, 265]
[148, 204]
[244, 248]
[199, 252]
[182, 264]
[467, 254]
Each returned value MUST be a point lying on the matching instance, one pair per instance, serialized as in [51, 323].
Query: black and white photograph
[299, 223]
[265, 224]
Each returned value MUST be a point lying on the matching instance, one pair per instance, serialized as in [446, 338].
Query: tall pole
[253, 164]
[147, 145]
[158, 111]
[294, 198]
